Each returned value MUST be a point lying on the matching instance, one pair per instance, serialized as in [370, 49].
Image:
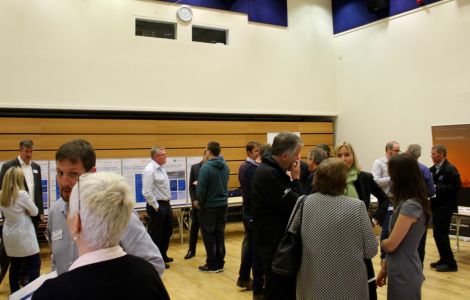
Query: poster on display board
[54, 192]
[175, 167]
[191, 160]
[109, 165]
[44, 164]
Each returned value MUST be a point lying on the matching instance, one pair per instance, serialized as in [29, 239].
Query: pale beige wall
[84, 55]
[397, 78]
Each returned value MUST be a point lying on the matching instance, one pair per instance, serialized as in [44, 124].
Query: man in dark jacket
[275, 190]
[33, 185]
[193, 176]
[212, 195]
[447, 181]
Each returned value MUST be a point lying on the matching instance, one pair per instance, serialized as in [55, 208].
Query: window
[156, 29]
[210, 35]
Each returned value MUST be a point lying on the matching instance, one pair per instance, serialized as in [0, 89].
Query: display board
[44, 164]
[109, 165]
[54, 192]
[175, 168]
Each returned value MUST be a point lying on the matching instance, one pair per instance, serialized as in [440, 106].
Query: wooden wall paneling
[87, 126]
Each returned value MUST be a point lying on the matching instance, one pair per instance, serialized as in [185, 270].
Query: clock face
[184, 13]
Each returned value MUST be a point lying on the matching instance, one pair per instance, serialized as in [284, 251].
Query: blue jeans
[249, 260]
[212, 222]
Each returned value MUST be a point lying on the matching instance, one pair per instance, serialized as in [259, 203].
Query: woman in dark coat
[361, 185]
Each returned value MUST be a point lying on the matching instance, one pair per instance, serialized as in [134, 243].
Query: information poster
[44, 164]
[191, 160]
[132, 171]
[176, 169]
[54, 192]
[109, 165]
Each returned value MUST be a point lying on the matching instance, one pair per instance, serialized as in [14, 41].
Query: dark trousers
[385, 233]
[277, 287]
[422, 246]
[441, 226]
[249, 260]
[160, 225]
[193, 233]
[213, 234]
[371, 279]
[32, 264]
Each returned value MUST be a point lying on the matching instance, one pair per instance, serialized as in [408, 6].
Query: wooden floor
[185, 282]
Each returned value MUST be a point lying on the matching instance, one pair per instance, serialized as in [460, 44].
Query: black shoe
[436, 263]
[190, 254]
[205, 268]
[167, 266]
[248, 284]
[446, 268]
[168, 259]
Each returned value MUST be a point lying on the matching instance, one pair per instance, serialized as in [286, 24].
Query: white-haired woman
[100, 208]
[19, 236]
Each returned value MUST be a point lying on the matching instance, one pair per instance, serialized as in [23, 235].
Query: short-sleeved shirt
[404, 268]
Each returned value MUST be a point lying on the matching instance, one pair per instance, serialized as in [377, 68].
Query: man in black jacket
[275, 190]
[193, 176]
[447, 181]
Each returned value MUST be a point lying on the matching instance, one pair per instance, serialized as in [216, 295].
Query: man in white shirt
[156, 190]
[380, 173]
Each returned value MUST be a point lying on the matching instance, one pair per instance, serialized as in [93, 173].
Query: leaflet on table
[175, 168]
[27, 291]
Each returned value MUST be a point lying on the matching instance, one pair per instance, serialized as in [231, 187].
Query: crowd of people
[98, 241]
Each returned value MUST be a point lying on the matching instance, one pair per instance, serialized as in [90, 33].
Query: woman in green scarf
[361, 185]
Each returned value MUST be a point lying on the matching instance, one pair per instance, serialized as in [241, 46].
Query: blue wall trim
[272, 12]
[349, 14]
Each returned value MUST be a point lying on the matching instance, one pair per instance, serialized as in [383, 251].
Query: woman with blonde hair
[100, 207]
[19, 236]
[361, 185]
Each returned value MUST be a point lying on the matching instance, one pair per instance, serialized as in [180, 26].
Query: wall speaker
[378, 5]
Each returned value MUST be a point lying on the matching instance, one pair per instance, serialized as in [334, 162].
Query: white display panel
[176, 169]
[132, 171]
[54, 192]
[109, 165]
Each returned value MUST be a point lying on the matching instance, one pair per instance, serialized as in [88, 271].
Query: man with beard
[73, 159]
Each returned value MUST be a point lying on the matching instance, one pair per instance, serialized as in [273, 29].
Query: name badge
[35, 171]
[57, 235]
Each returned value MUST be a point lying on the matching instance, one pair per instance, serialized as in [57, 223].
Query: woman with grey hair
[100, 208]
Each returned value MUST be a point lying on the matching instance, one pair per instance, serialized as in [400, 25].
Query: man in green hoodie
[212, 194]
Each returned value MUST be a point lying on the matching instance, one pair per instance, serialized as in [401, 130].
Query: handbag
[286, 260]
